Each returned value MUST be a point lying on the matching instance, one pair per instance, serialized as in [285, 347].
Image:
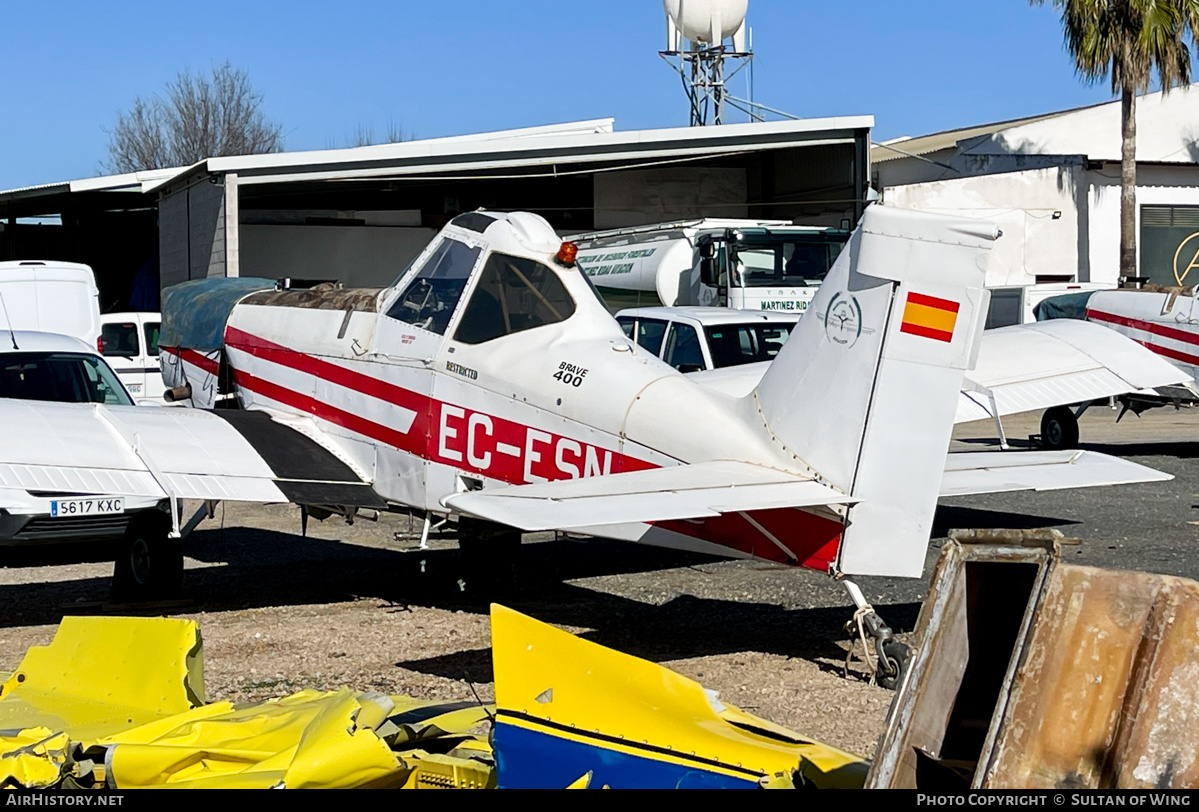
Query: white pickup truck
[695, 339]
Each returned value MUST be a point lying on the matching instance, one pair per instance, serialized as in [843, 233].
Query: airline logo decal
[843, 319]
[930, 317]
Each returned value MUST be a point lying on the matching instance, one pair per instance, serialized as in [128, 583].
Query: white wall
[1023, 204]
[356, 256]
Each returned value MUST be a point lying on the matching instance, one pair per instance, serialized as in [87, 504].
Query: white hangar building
[1052, 182]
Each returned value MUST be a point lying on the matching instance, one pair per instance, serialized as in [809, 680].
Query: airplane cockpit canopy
[510, 292]
[513, 294]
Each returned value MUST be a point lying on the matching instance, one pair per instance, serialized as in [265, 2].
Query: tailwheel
[893, 661]
[885, 657]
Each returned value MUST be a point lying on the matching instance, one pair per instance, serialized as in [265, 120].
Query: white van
[50, 297]
[129, 342]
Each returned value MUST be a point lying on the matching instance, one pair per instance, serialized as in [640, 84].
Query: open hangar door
[116, 233]
[360, 223]
[365, 234]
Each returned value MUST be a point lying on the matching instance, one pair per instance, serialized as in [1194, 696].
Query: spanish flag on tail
[929, 316]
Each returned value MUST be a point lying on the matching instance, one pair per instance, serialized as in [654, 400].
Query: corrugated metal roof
[575, 142]
[569, 144]
[128, 182]
[925, 144]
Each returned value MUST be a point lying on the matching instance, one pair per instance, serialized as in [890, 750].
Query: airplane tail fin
[866, 388]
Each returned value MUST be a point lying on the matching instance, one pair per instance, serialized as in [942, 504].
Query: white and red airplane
[490, 383]
[1164, 321]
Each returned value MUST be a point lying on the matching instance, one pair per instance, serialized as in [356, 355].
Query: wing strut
[131, 439]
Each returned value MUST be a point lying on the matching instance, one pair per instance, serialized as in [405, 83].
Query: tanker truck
[768, 265]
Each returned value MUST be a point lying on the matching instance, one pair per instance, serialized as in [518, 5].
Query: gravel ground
[355, 606]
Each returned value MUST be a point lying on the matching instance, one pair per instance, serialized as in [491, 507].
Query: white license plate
[86, 507]
[135, 388]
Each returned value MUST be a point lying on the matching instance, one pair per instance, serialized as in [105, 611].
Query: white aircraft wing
[1035, 366]
[712, 488]
[185, 453]
[660, 494]
[974, 472]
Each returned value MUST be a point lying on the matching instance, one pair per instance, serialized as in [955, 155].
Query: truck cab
[759, 265]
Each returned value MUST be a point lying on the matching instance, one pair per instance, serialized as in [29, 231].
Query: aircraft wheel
[489, 554]
[1059, 428]
[149, 563]
[898, 655]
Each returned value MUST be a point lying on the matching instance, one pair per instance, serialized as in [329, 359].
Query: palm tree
[1130, 40]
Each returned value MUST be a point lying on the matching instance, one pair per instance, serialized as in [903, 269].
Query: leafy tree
[1128, 41]
[197, 117]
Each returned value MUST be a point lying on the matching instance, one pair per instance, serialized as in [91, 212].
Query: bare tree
[197, 117]
[364, 135]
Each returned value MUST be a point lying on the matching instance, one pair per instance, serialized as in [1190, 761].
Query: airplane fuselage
[1165, 322]
[424, 415]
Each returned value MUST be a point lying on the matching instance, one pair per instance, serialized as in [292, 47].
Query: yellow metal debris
[581, 703]
[127, 694]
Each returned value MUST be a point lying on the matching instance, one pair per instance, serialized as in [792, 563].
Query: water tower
[696, 31]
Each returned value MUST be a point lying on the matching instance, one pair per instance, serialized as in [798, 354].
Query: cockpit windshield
[429, 299]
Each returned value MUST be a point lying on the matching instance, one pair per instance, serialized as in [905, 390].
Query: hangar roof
[524, 152]
[587, 142]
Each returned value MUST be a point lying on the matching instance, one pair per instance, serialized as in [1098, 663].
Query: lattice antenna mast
[706, 43]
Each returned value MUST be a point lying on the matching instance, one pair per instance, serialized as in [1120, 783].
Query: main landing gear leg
[890, 657]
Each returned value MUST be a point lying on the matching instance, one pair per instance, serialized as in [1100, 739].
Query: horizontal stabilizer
[186, 453]
[681, 492]
[999, 471]
[1029, 367]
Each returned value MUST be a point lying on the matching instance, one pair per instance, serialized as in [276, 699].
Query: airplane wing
[1027, 367]
[1035, 366]
[713, 488]
[972, 472]
[680, 492]
[184, 453]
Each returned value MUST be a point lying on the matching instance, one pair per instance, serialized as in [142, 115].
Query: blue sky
[444, 68]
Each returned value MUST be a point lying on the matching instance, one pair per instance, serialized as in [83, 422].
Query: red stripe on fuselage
[443, 432]
[325, 370]
[1153, 328]
[1147, 326]
[210, 365]
[339, 417]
